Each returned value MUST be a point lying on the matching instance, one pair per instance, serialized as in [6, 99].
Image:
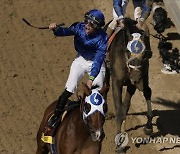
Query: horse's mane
[106, 26]
[130, 25]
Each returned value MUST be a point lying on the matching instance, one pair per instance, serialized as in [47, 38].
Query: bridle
[94, 103]
[130, 66]
[136, 50]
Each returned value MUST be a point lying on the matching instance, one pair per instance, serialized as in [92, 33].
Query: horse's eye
[87, 108]
[105, 107]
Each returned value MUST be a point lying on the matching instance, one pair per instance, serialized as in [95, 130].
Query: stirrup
[47, 139]
[47, 134]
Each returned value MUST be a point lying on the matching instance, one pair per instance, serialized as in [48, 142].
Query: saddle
[70, 106]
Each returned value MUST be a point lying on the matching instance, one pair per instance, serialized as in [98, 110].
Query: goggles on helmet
[92, 20]
[91, 23]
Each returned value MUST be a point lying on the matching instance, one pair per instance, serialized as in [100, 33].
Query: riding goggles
[92, 23]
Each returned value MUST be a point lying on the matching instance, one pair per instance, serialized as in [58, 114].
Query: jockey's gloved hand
[140, 22]
[89, 83]
[53, 26]
[120, 22]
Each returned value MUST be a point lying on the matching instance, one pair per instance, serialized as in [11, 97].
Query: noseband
[135, 67]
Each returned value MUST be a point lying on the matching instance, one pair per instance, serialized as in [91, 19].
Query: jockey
[142, 9]
[90, 42]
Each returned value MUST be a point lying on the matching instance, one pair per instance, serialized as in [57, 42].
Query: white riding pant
[79, 67]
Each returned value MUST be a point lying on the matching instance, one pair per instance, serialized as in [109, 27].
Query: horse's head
[135, 55]
[94, 109]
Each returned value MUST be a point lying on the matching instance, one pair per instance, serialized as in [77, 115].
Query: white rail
[173, 8]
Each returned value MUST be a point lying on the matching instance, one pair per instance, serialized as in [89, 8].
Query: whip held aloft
[43, 27]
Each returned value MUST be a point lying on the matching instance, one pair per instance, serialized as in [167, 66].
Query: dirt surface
[34, 66]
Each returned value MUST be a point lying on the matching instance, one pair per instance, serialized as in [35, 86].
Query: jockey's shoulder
[102, 32]
[102, 35]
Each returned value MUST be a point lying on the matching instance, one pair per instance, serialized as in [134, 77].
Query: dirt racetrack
[34, 66]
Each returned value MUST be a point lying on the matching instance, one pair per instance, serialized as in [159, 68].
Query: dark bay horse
[81, 130]
[129, 65]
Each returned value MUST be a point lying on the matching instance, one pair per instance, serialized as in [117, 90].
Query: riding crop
[43, 27]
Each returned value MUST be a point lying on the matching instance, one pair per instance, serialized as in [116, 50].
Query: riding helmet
[96, 16]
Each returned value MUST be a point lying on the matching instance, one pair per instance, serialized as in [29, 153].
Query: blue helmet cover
[97, 16]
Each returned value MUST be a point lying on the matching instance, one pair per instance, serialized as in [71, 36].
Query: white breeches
[79, 67]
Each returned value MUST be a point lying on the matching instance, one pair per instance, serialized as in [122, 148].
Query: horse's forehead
[95, 98]
[96, 101]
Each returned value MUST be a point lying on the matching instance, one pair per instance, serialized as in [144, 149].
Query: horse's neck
[121, 40]
[78, 115]
[121, 45]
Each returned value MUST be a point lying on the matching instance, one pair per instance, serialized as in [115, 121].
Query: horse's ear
[144, 31]
[127, 27]
[79, 95]
[142, 36]
[130, 37]
[86, 89]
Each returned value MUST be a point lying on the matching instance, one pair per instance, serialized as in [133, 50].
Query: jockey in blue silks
[90, 42]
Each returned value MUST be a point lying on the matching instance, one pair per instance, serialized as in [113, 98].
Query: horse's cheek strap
[81, 106]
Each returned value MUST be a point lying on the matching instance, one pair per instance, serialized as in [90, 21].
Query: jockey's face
[90, 27]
